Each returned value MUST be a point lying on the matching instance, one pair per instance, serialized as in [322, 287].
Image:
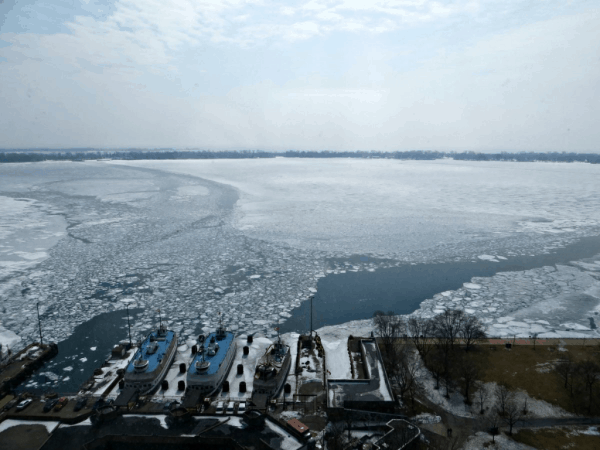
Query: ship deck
[216, 360]
[270, 359]
[155, 359]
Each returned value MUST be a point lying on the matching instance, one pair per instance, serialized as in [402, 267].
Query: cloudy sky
[303, 74]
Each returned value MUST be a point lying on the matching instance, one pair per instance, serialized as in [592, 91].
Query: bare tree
[335, 436]
[492, 419]
[565, 369]
[513, 413]
[447, 379]
[471, 330]
[349, 422]
[503, 396]
[534, 338]
[414, 390]
[435, 363]
[420, 331]
[403, 371]
[482, 394]
[388, 326]
[447, 326]
[589, 374]
[468, 370]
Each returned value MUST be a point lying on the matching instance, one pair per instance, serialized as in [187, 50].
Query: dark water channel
[356, 295]
[101, 334]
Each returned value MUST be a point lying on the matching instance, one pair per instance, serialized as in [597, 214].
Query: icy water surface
[251, 239]
[342, 297]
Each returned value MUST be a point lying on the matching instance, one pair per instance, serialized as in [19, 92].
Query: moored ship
[212, 362]
[272, 369]
[151, 361]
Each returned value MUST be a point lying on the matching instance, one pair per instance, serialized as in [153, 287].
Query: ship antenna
[159, 319]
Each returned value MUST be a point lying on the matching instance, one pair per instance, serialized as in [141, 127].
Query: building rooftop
[298, 426]
[374, 389]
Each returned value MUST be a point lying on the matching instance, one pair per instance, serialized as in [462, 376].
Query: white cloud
[534, 87]
[146, 31]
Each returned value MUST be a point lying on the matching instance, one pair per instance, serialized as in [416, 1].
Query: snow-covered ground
[255, 351]
[456, 404]
[9, 423]
[109, 374]
[502, 442]
[335, 342]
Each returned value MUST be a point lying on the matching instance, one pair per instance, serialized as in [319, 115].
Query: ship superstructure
[212, 362]
[152, 360]
[272, 369]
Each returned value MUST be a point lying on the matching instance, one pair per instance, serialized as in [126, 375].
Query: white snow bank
[8, 339]
[9, 423]
[477, 442]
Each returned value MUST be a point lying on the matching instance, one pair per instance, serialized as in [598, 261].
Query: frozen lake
[252, 238]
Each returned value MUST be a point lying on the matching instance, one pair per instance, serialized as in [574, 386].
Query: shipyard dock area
[105, 413]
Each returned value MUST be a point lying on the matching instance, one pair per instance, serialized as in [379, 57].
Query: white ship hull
[146, 390]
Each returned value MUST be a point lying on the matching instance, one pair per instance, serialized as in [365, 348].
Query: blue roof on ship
[216, 360]
[154, 359]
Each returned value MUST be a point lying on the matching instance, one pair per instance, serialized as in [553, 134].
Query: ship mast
[37, 305]
[311, 314]
[128, 325]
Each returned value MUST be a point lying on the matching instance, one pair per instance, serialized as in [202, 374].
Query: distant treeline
[16, 156]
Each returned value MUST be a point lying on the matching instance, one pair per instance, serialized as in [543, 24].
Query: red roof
[298, 426]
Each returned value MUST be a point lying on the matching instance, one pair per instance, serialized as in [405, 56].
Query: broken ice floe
[560, 301]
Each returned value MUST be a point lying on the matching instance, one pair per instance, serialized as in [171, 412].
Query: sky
[476, 75]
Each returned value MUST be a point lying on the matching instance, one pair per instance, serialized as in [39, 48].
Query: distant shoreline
[90, 154]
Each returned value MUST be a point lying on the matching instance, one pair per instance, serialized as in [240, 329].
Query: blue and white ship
[152, 360]
[212, 362]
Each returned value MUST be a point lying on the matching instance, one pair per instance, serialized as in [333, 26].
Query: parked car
[80, 404]
[49, 405]
[242, 408]
[61, 403]
[220, 408]
[99, 403]
[24, 404]
[10, 404]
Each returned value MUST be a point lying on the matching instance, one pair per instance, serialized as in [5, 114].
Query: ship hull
[272, 387]
[147, 382]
